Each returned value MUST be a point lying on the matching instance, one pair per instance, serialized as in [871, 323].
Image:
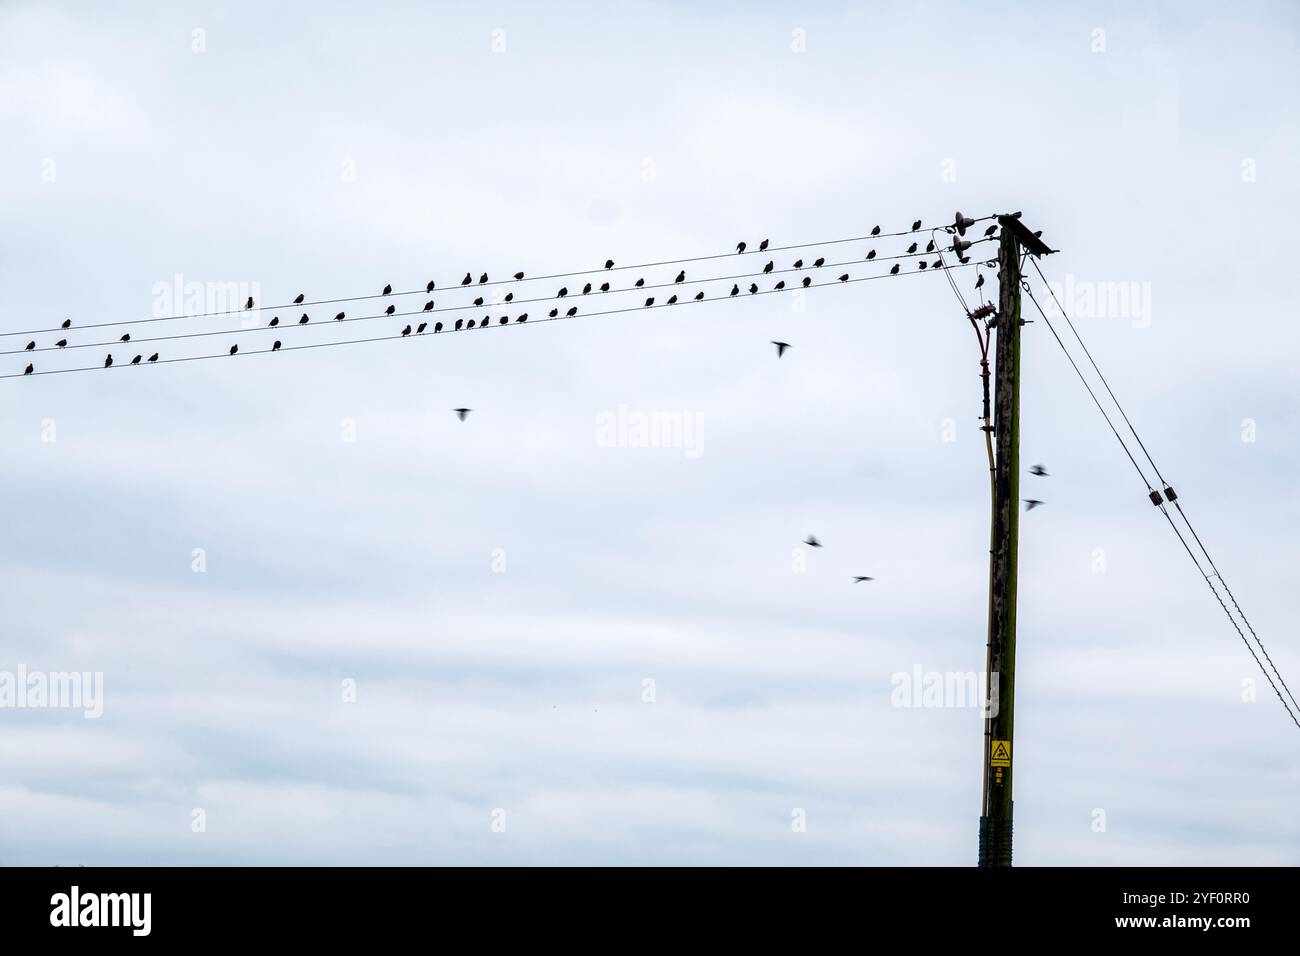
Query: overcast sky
[415, 640]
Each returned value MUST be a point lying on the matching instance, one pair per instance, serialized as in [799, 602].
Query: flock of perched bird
[587, 289]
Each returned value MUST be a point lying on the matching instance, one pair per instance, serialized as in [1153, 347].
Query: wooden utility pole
[995, 819]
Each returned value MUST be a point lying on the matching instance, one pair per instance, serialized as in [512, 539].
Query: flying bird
[461, 413]
[298, 301]
[812, 542]
[859, 578]
[1031, 504]
[1039, 470]
[780, 347]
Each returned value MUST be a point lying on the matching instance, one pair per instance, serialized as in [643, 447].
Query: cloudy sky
[335, 624]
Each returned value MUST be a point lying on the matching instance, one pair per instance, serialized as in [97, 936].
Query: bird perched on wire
[29, 369]
[929, 246]
[779, 286]
[768, 268]
[979, 283]
[154, 357]
[990, 230]
[429, 287]
[305, 319]
[650, 301]
[467, 280]
[586, 289]
[234, 349]
[478, 301]
[819, 263]
[437, 327]
[604, 287]
[812, 541]
[125, 338]
[247, 305]
[554, 312]
[275, 347]
[423, 326]
[343, 315]
[875, 230]
[108, 362]
[388, 290]
[672, 300]
[798, 264]
[1032, 503]
[510, 297]
[735, 290]
[740, 247]
[845, 277]
[392, 308]
[916, 225]
[504, 320]
[522, 318]
[699, 296]
[807, 281]
[298, 301]
[780, 347]
[911, 249]
[519, 275]
[136, 360]
[609, 263]
[61, 343]
[1039, 470]
[461, 413]
[482, 279]
[762, 246]
[753, 288]
[68, 322]
[893, 271]
[273, 323]
[564, 290]
[428, 306]
[572, 312]
[460, 324]
[406, 331]
[30, 345]
[487, 319]
[681, 276]
[640, 283]
[871, 254]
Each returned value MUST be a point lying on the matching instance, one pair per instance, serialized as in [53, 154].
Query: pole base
[995, 842]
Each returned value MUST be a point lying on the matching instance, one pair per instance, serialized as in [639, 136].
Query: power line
[479, 328]
[495, 282]
[1164, 511]
[460, 308]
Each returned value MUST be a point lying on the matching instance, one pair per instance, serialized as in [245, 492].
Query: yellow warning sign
[1000, 756]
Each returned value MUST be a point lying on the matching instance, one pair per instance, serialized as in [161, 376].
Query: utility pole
[995, 818]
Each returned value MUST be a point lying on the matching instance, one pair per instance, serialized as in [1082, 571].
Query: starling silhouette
[61, 343]
[234, 349]
[740, 247]
[990, 230]
[586, 289]
[406, 331]
[28, 370]
[819, 263]
[504, 320]
[640, 283]
[604, 287]
[681, 276]
[929, 246]
[812, 541]
[768, 268]
[845, 277]
[462, 412]
[780, 347]
[343, 315]
[911, 248]
[298, 301]
[66, 323]
[672, 300]
[572, 312]
[467, 280]
[699, 296]
[1039, 470]
[275, 347]
[30, 346]
[486, 320]
[893, 271]
[136, 360]
[859, 578]
[650, 301]
[555, 312]
[460, 324]
[437, 326]
[428, 306]
[423, 326]
[779, 286]
[522, 318]
[753, 288]
[871, 254]
[429, 287]
[916, 225]
[274, 322]
[478, 301]
[108, 362]
[798, 264]
[388, 290]
[1031, 504]
[249, 303]
[735, 290]
[922, 264]
[762, 246]
[609, 263]
[482, 279]
[875, 230]
[564, 290]
[510, 297]
[304, 320]
[980, 281]
[519, 275]
[154, 357]
[807, 281]
[391, 309]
